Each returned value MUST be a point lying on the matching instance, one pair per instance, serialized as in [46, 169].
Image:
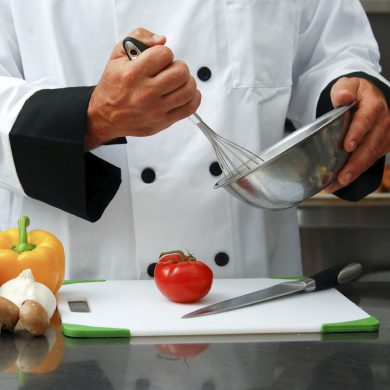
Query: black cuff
[47, 142]
[116, 141]
[369, 180]
[366, 183]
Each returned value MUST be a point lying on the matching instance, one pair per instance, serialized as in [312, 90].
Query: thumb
[145, 36]
[344, 91]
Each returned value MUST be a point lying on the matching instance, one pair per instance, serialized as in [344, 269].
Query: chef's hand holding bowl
[368, 137]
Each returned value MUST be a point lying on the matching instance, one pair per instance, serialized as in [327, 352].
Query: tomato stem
[183, 257]
[190, 256]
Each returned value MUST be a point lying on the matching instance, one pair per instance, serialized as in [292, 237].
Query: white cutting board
[137, 305]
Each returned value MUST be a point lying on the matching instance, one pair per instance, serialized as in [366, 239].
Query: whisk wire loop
[228, 153]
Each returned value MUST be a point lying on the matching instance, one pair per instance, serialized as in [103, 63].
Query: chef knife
[328, 278]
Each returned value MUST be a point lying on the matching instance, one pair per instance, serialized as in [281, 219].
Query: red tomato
[181, 350]
[182, 278]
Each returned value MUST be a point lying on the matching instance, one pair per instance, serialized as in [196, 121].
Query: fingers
[174, 85]
[147, 65]
[180, 96]
[369, 103]
[185, 110]
[147, 37]
[374, 146]
[157, 57]
[368, 137]
[368, 152]
[333, 187]
[362, 121]
[344, 91]
[142, 96]
[153, 61]
[173, 77]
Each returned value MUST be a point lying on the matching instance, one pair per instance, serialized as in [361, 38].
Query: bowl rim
[298, 136]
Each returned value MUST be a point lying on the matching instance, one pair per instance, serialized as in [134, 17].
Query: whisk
[233, 159]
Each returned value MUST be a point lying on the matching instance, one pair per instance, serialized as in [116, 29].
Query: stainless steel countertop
[314, 361]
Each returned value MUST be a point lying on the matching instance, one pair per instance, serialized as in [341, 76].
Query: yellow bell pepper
[38, 250]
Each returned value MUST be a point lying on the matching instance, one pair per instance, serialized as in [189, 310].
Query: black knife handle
[334, 276]
[133, 47]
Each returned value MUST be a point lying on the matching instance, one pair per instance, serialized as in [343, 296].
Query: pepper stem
[23, 244]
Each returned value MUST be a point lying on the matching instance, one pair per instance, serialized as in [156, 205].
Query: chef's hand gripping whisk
[233, 159]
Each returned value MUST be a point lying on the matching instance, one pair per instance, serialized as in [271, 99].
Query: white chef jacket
[267, 60]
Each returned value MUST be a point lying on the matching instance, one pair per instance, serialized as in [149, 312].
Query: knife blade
[322, 280]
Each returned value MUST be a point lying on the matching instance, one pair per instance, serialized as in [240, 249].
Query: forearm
[327, 50]
[98, 131]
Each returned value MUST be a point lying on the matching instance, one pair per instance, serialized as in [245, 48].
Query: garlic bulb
[24, 287]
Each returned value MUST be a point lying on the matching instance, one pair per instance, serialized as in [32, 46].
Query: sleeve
[334, 42]
[42, 139]
[47, 142]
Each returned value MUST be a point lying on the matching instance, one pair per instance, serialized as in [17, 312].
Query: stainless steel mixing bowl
[297, 167]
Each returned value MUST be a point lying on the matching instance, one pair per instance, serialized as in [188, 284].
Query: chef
[89, 136]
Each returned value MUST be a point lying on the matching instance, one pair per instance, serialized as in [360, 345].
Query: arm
[333, 42]
[41, 143]
[370, 128]
[140, 97]
[14, 92]
[48, 133]
[47, 141]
